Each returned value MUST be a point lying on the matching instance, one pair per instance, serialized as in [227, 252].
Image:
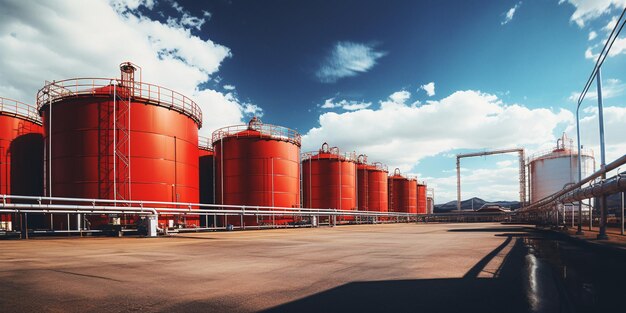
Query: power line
[603, 54]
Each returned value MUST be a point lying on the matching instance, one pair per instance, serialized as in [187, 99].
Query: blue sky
[410, 83]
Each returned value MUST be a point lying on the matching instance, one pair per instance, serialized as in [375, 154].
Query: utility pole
[603, 208]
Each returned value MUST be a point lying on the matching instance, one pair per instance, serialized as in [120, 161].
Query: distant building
[492, 208]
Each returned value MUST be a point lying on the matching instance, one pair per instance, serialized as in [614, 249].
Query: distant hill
[466, 205]
[614, 202]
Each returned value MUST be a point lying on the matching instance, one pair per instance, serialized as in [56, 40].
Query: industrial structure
[329, 179]
[522, 171]
[21, 153]
[257, 165]
[372, 185]
[402, 193]
[105, 137]
[430, 200]
[551, 171]
[422, 201]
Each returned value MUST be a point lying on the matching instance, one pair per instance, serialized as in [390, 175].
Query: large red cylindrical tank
[402, 193]
[329, 180]
[422, 204]
[257, 165]
[121, 139]
[21, 153]
[207, 192]
[372, 186]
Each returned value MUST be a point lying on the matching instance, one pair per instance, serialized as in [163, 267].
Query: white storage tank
[550, 171]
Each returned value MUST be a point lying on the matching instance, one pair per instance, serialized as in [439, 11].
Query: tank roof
[327, 152]
[398, 175]
[126, 85]
[361, 161]
[256, 128]
[564, 148]
[19, 109]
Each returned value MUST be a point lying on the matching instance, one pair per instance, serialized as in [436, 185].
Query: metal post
[458, 183]
[557, 216]
[622, 230]
[273, 215]
[603, 208]
[26, 225]
[580, 204]
[590, 215]
[114, 144]
[49, 146]
[130, 185]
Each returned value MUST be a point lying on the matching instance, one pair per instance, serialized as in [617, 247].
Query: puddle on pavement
[564, 277]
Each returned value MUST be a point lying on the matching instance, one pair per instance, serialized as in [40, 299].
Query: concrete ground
[400, 267]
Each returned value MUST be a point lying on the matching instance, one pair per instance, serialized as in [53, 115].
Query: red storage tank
[329, 180]
[21, 153]
[207, 192]
[257, 164]
[422, 204]
[121, 139]
[402, 193]
[372, 186]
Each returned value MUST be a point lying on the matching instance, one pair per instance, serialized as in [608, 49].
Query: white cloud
[508, 16]
[186, 19]
[590, 55]
[490, 184]
[611, 88]
[592, 35]
[348, 59]
[229, 87]
[587, 10]
[429, 88]
[400, 97]
[400, 133]
[43, 40]
[614, 130]
[619, 45]
[252, 109]
[345, 104]
[505, 163]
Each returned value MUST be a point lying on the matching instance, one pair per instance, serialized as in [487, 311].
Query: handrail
[204, 143]
[166, 208]
[333, 152]
[19, 109]
[543, 153]
[139, 91]
[264, 131]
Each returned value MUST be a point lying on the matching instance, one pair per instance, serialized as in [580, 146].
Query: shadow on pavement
[491, 230]
[505, 293]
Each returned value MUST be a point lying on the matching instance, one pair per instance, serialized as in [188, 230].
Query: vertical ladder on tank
[105, 146]
[121, 155]
[522, 178]
[121, 129]
[390, 188]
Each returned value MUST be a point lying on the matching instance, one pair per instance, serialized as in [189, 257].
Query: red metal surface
[422, 204]
[21, 151]
[206, 178]
[402, 193]
[372, 187]
[257, 165]
[163, 150]
[206, 175]
[329, 180]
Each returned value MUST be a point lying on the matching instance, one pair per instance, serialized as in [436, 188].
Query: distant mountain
[473, 203]
[614, 202]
